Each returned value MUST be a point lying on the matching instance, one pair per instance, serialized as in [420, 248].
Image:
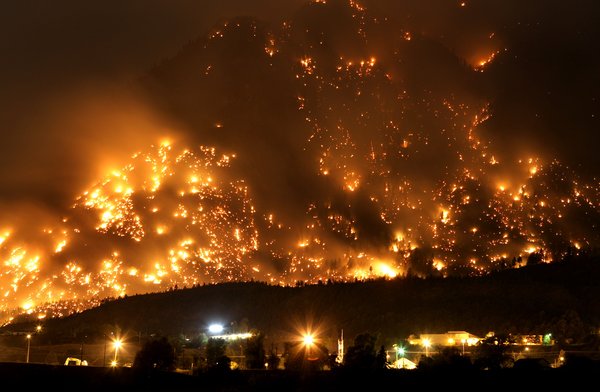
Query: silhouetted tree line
[560, 297]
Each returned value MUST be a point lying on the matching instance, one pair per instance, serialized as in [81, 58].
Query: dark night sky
[65, 62]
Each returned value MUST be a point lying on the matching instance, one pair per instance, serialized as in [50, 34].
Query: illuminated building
[448, 339]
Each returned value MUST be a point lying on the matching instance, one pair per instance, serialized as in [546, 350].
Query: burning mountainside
[349, 160]
[166, 218]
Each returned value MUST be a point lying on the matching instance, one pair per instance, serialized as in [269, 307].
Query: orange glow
[384, 173]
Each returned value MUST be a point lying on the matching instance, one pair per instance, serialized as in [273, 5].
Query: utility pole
[340, 356]
[28, 345]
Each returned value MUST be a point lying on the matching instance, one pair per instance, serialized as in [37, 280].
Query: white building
[403, 363]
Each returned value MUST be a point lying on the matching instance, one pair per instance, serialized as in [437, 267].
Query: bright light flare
[216, 328]
[308, 339]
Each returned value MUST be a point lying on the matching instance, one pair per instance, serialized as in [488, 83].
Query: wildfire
[179, 216]
[481, 64]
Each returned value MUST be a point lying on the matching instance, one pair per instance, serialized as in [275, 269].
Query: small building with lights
[404, 363]
[448, 339]
[534, 340]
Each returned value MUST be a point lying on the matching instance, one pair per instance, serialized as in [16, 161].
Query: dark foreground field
[62, 378]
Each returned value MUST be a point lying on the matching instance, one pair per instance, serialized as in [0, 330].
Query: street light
[308, 340]
[427, 344]
[401, 351]
[38, 328]
[28, 344]
[463, 341]
[117, 344]
[215, 328]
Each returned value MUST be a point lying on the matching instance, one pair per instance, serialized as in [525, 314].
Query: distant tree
[569, 328]
[535, 258]
[332, 361]
[362, 354]
[292, 357]
[156, 354]
[255, 352]
[178, 344]
[425, 363]
[450, 357]
[420, 262]
[223, 363]
[381, 361]
[215, 353]
[273, 361]
[491, 353]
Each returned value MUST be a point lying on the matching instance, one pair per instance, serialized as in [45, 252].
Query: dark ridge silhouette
[533, 299]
